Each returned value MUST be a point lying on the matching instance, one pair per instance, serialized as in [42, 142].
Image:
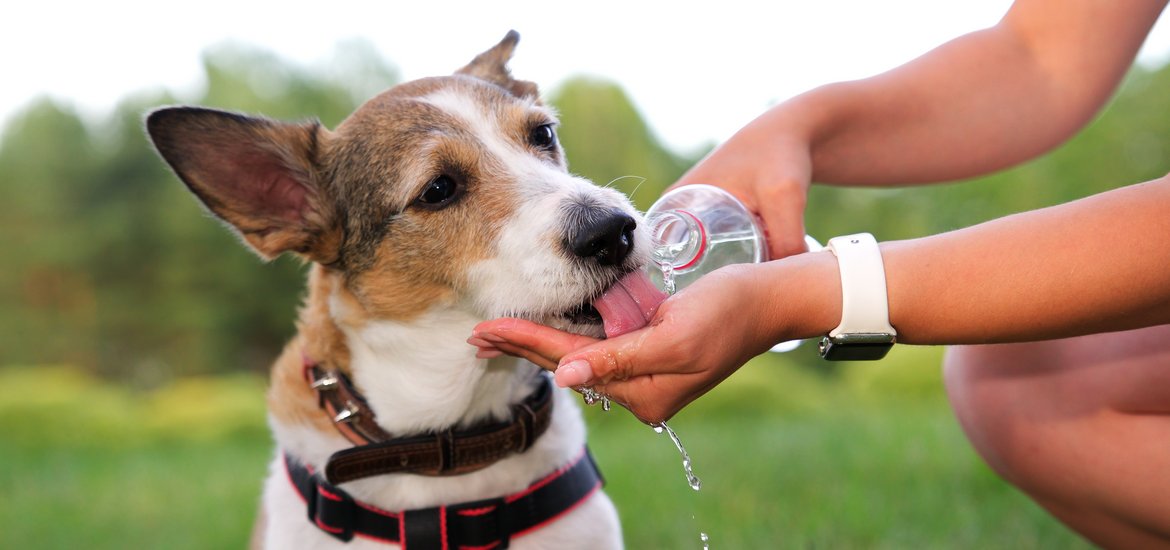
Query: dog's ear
[256, 174]
[492, 66]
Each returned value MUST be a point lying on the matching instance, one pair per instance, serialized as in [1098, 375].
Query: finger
[573, 373]
[549, 343]
[617, 358]
[527, 354]
[484, 349]
[529, 334]
[480, 343]
[488, 353]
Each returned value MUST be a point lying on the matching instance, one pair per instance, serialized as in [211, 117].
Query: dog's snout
[608, 238]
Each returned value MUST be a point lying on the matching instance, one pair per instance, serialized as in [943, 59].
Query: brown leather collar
[442, 453]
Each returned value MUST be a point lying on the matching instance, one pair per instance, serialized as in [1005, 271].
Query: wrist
[805, 290]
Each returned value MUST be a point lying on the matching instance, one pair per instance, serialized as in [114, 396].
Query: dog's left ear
[260, 176]
[492, 66]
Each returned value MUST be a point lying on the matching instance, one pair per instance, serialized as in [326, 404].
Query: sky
[696, 70]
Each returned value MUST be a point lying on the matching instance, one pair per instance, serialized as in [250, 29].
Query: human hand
[767, 166]
[696, 339]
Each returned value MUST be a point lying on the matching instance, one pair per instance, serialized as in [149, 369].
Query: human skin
[984, 101]
[942, 289]
[1087, 277]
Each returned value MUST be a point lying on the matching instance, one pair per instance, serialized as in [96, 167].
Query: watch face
[854, 351]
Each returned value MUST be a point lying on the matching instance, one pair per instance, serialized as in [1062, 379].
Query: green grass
[849, 478]
[182, 496]
[869, 459]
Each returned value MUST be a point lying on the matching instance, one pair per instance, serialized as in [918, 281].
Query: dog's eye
[543, 136]
[439, 191]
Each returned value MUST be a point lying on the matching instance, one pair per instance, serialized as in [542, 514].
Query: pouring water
[697, 229]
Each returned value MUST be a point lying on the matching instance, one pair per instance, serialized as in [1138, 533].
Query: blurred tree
[110, 264]
[48, 303]
[114, 266]
[607, 140]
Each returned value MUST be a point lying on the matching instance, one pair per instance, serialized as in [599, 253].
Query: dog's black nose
[609, 237]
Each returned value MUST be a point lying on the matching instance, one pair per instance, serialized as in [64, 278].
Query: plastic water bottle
[697, 229]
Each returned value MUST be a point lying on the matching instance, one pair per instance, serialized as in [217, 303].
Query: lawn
[868, 458]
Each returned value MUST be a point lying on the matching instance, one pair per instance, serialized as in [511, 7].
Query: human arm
[981, 102]
[984, 101]
[1094, 265]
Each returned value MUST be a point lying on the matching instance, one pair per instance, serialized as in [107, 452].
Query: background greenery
[134, 335]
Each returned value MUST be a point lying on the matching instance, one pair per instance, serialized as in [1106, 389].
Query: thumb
[781, 208]
[602, 362]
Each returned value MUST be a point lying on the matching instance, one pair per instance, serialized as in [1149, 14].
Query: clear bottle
[697, 229]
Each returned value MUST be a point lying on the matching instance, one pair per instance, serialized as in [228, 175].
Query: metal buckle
[858, 346]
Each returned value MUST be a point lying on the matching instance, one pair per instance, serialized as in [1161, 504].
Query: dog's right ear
[258, 175]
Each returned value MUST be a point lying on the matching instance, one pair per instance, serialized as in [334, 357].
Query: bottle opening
[679, 238]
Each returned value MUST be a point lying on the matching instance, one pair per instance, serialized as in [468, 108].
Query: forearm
[1094, 265]
[979, 103]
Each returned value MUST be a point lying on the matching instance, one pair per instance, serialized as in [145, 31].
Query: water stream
[688, 469]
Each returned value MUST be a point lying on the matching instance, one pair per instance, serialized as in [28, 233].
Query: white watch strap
[864, 307]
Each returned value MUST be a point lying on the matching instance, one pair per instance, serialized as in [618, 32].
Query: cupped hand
[769, 170]
[695, 340]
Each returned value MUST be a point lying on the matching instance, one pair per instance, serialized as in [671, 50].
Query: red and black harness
[479, 525]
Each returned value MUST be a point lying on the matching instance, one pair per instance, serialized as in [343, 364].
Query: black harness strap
[490, 523]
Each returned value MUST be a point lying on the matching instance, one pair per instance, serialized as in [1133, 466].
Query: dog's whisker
[619, 178]
[636, 187]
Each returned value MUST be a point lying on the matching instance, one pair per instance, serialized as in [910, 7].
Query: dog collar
[441, 453]
[490, 523]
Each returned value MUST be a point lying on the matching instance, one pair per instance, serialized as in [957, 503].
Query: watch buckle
[858, 346]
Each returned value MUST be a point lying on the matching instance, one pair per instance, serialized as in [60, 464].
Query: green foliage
[112, 265]
[608, 142]
[64, 406]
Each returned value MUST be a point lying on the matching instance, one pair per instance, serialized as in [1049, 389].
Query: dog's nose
[608, 237]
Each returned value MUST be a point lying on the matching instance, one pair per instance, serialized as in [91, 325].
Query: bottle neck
[678, 238]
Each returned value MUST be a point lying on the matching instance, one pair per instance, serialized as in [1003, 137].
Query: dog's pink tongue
[629, 304]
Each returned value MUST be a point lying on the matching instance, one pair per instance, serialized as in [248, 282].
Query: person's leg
[1081, 425]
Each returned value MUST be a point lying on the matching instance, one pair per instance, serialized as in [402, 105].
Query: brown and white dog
[436, 205]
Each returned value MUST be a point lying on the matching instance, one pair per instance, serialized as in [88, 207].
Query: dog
[438, 204]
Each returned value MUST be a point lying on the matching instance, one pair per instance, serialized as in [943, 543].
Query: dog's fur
[396, 284]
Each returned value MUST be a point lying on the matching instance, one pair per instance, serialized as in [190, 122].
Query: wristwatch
[865, 333]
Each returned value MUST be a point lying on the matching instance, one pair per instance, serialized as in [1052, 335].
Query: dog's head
[441, 192]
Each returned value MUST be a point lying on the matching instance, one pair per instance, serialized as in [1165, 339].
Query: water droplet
[605, 403]
[657, 428]
[589, 395]
[703, 537]
[667, 276]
